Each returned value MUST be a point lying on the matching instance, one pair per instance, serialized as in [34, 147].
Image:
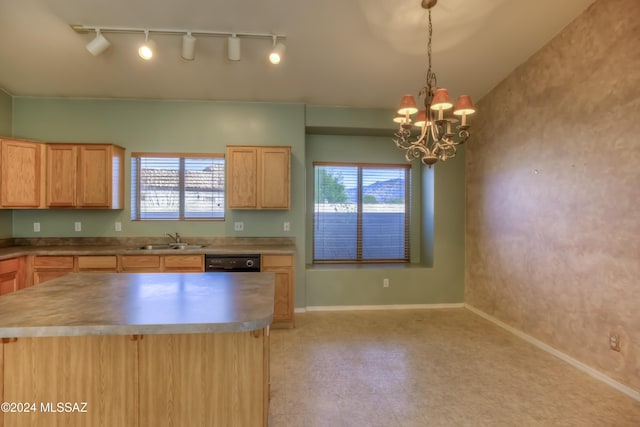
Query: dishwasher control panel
[232, 262]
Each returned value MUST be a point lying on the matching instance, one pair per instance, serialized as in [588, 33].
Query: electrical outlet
[385, 283]
[614, 342]
[238, 226]
[36, 227]
[287, 226]
[118, 226]
[77, 226]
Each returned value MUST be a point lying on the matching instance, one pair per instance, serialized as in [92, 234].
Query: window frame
[359, 206]
[136, 156]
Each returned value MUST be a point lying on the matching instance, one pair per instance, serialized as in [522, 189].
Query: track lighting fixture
[188, 50]
[233, 48]
[146, 49]
[278, 50]
[188, 47]
[99, 44]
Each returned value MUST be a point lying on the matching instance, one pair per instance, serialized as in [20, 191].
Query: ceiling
[359, 53]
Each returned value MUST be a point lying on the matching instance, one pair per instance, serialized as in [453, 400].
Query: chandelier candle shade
[437, 139]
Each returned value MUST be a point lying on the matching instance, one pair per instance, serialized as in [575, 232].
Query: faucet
[175, 238]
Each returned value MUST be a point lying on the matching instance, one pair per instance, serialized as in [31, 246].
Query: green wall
[5, 113]
[436, 272]
[163, 126]
[5, 130]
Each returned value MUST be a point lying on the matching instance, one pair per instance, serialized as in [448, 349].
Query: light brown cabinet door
[258, 177]
[140, 263]
[100, 176]
[203, 379]
[193, 263]
[20, 174]
[11, 275]
[98, 370]
[242, 174]
[94, 176]
[274, 171]
[283, 308]
[8, 283]
[97, 263]
[283, 301]
[62, 165]
[47, 267]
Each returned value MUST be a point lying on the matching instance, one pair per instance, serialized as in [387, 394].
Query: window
[361, 212]
[177, 186]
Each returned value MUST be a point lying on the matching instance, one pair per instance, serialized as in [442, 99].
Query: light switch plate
[36, 227]
[118, 226]
[238, 226]
[77, 226]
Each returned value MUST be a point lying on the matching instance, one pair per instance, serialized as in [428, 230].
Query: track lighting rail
[83, 29]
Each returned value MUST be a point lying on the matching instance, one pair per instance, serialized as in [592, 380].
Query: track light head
[188, 47]
[277, 52]
[145, 51]
[98, 44]
[233, 48]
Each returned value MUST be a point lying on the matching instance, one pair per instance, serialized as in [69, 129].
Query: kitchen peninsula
[143, 349]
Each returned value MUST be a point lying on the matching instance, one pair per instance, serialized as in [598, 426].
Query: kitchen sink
[174, 246]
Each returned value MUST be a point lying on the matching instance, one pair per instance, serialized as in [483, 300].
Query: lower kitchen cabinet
[47, 267]
[161, 263]
[232, 379]
[11, 275]
[101, 371]
[140, 264]
[192, 263]
[191, 379]
[103, 263]
[282, 266]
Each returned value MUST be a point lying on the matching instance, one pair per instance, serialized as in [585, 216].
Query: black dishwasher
[232, 262]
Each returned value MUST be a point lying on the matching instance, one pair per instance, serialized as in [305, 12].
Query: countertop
[139, 303]
[15, 251]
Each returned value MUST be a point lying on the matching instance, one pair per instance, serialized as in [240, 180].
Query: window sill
[369, 266]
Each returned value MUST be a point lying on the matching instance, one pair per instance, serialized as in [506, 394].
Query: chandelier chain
[429, 42]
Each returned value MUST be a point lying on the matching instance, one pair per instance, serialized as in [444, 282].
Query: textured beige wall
[553, 193]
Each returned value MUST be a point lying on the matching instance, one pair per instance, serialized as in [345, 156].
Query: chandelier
[437, 139]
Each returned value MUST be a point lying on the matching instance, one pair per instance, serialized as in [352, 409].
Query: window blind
[361, 213]
[177, 186]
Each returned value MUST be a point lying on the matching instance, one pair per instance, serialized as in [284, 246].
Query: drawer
[43, 262]
[133, 262]
[277, 260]
[9, 265]
[184, 261]
[98, 262]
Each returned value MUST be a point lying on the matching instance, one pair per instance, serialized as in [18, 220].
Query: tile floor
[428, 368]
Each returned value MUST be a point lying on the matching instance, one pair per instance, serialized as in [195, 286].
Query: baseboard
[635, 394]
[379, 307]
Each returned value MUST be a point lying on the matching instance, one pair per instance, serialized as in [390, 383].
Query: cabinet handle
[9, 340]
[256, 333]
[136, 337]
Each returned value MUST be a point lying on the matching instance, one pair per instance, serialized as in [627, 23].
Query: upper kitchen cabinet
[21, 174]
[258, 177]
[85, 176]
